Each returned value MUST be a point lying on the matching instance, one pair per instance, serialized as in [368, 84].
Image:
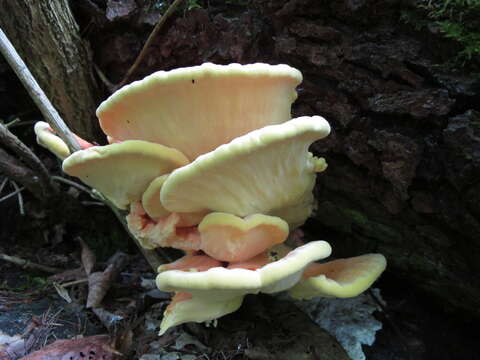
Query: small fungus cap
[224, 283]
[123, 171]
[196, 109]
[341, 278]
[267, 171]
[198, 309]
[50, 141]
[151, 199]
[227, 237]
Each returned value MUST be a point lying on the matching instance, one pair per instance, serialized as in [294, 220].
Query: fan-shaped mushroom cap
[198, 108]
[219, 282]
[47, 139]
[219, 291]
[340, 278]
[151, 199]
[191, 263]
[230, 238]
[267, 171]
[198, 309]
[154, 208]
[123, 171]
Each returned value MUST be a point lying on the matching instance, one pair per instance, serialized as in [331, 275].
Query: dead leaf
[98, 285]
[92, 347]
[119, 260]
[100, 282]
[88, 257]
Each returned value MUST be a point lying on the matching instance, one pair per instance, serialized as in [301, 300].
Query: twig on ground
[26, 264]
[149, 41]
[18, 171]
[20, 198]
[36, 93]
[17, 191]
[75, 282]
[2, 185]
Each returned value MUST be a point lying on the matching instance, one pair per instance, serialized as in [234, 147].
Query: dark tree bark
[404, 153]
[48, 39]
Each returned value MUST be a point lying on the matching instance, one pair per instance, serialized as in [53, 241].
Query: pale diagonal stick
[36, 93]
[56, 122]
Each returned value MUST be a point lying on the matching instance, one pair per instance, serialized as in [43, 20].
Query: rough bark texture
[404, 153]
[47, 37]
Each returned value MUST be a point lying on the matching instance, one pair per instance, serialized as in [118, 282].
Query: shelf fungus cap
[123, 171]
[184, 307]
[151, 199]
[267, 171]
[341, 278]
[227, 237]
[174, 108]
[197, 309]
[153, 207]
[224, 283]
[47, 138]
[209, 294]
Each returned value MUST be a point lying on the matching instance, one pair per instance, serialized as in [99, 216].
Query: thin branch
[110, 86]
[12, 194]
[11, 142]
[17, 171]
[13, 122]
[2, 185]
[92, 203]
[36, 93]
[149, 41]
[20, 198]
[74, 184]
[26, 264]
[21, 123]
[75, 282]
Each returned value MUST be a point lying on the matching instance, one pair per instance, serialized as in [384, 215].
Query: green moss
[28, 281]
[458, 20]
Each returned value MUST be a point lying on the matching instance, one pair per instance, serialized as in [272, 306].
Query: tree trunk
[48, 39]
[404, 153]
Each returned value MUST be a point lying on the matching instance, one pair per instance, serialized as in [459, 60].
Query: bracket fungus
[208, 160]
[199, 108]
[47, 138]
